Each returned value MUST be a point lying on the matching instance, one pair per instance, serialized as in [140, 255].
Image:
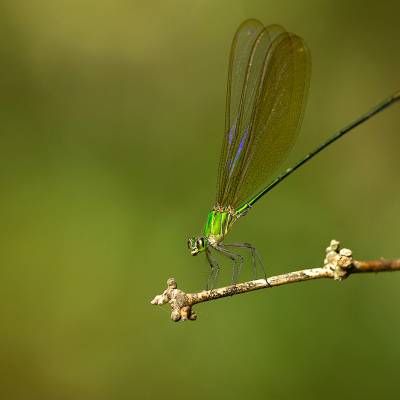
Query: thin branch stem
[338, 265]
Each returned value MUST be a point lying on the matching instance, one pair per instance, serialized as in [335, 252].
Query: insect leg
[237, 261]
[254, 257]
[213, 275]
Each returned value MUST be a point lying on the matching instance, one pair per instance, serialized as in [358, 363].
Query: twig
[338, 265]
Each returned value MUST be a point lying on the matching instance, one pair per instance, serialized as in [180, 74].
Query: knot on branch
[339, 261]
[178, 301]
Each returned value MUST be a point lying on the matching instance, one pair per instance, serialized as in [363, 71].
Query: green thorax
[219, 222]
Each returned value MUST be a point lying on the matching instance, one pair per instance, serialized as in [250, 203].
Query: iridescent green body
[219, 222]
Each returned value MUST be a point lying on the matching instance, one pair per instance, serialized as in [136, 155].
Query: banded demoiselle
[268, 80]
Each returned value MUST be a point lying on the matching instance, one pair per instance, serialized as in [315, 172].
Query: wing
[268, 82]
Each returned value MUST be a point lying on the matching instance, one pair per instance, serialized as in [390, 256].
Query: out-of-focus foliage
[111, 117]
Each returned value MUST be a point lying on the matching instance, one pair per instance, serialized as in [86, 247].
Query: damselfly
[268, 79]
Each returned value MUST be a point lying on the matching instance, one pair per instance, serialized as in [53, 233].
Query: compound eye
[200, 243]
[189, 244]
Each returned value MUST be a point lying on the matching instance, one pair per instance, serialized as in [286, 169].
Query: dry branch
[338, 265]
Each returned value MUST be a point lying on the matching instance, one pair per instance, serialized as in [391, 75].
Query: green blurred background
[111, 121]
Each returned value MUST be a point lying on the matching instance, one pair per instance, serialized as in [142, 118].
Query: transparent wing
[239, 77]
[267, 86]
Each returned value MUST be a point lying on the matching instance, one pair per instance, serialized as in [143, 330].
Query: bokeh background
[111, 119]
